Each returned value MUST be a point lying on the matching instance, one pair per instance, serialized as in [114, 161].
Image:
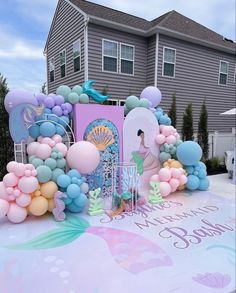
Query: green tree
[6, 148]
[172, 111]
[44, 88]
[202, 135]
[187, 127]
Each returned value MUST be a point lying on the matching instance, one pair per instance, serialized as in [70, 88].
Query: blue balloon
[158, 115]
[202, 173]
[44, 174]
[164, 157]
[81, 201]
[202, 165]
[189, 153]
[67, 200]
[53, 118]
[72, 207]
[94, 94]
[74, 173]
[34, 131]
[47, 129]
[60, 130]
[193, 182]
[73, 190]
[56, 173]
[47, 111]
[63, 180]
[64, 120]
[189, 169]
[203, 184]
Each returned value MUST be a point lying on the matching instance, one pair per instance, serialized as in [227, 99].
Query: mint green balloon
[51, 163]
[144, 103]
[55, 173]
[37, 162]
[132, 102]
[61, 163]
[64, 91]
[44, 174]
[83, 99]
[73, 98]
[126, 111]
[77, 89]
[31, 158]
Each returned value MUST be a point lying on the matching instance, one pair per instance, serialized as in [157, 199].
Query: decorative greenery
[213, 165]
[44, 88]
[172, 111]
[187, 127]
[202, 136]
[155, 194]
[95, 203]
[6, 150]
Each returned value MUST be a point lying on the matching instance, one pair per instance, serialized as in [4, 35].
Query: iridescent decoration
[101, 136]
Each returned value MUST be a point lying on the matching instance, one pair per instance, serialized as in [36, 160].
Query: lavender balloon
[152, 94]
[16, 97]
[59, 100]
[40, 98]
[68, 107]
[49, 102]
[57, 111]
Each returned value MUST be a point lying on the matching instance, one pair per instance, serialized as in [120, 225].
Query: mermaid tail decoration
[139, 162]
[131, 251]
[94, 94]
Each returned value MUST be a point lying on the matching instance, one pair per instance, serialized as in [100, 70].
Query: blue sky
[24, 25]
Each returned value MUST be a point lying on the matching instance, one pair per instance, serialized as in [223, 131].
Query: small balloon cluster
[74, 186]
[168, 139]
[15, 191]
[150, 98]
[170, 179]
[189, 154]
[161, 117]
[48, 157]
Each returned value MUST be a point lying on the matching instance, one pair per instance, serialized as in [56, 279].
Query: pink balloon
[46, 140]
[57, 138]
[83, 156]
[183, 179]
[166, 131]
[165, 188]
[19, 169]
[43, 151]
[29, 167]
[175, 172]
[171, 139]
[181, 170]
[4, 207]
[39, 139]
[16, 192]
[3, 191]
[34, 173]
[16, 214]
[27, 173]
[177, 136]
[160, 139]
[62, 148]
[11, 166]
[161, 127]
[28, 184]
[9, 190]
[155, 178]
[32, 147]
[52, 143]
[23, 200]
[174, 184]
[10, 180]
[164, 174]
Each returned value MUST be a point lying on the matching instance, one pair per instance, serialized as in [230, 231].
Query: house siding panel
[196, 77]
[119, 85]
[68, 28]
[151, 59]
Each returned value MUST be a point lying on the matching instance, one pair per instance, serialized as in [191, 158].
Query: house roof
[171, 21]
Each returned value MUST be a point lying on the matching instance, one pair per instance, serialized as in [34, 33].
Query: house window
[63, 63]
[51, 69]
[126, 59]
[112, 102]
[110, 56]
[169, 56]
[121, 102]
[77, 55]
[223, 72]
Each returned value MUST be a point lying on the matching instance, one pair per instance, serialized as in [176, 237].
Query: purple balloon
[68, 107]
[63, 106]
[16, 97]
[49, 102]
[59, 100]
[51, 95]
[40, 97]
[65, 112]
[153, 94]
[57, 110]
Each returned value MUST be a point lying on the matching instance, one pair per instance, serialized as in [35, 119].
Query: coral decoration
[16, 189]
[155, 194]
[95, 203]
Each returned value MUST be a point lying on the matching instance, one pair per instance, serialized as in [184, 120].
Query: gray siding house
[125, 53]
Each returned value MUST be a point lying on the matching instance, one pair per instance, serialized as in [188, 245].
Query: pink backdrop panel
[84, 114]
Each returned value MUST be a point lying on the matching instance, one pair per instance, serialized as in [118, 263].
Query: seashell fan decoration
[101, 136]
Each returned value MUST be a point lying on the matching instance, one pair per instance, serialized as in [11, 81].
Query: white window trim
[103, 55]
[126, 59]
[163, 62]
[223, 73]
[79, 40]
[51, 70]
[120, 101]
[113, 100]
[64, 50]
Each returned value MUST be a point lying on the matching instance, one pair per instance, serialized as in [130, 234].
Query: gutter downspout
[86, 21]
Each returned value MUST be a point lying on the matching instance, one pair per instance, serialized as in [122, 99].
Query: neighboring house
[125, 53]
